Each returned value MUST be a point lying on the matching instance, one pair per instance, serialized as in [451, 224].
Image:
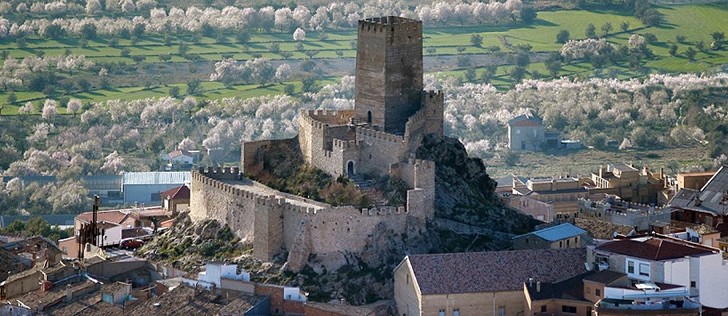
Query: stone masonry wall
[388, 71]
[251, 158]
[275, 225]
[214, 199]
[379, 150]
[434, 107]
[326, 147]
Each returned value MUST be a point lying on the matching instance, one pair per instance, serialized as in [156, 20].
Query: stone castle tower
[379, 137]
[388, 72]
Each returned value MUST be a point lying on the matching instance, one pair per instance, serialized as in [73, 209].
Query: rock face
[187, 245]
[464, 191]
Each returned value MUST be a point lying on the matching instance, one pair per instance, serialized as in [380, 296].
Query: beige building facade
[478, 283]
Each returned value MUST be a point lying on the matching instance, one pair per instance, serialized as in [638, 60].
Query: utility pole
[89, 232]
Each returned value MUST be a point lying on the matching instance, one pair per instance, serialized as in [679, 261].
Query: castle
[380, 136]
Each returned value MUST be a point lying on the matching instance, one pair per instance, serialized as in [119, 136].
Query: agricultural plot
[693, 23]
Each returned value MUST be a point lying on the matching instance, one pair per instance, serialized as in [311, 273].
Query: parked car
[131, 243]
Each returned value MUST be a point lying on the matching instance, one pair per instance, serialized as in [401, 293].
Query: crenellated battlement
[384, 210]
[345, 144]
[220, 173]
[340, 117]
[415, 120]
[368, 132]
[422, 164]
[206, 179]
[388, 24]
[308, 120]
[432, 94]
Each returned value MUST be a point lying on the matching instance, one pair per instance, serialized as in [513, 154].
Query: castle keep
[379, 136]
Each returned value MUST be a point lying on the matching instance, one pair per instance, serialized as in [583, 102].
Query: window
[692, 284]
[456, 312]
[598, 292]
[568, 309]
[567, 242]
[630, 267]
[408, 279]
[442, 312]
[543, 308]
[501, 311]
[645, 269]
[588, 311]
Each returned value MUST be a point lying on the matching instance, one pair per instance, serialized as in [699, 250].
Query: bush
[591, 31]
[510, 158]
[562, 37]
[476, 40]
[174, 92]
[650, 38]
[125, 52]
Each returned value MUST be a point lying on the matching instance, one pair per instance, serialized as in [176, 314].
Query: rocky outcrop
[464, 192]
[187, 245]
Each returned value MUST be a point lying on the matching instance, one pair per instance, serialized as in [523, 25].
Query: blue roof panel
[559, 232]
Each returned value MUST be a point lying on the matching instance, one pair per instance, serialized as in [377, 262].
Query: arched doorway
[350, 168]
[369, 117]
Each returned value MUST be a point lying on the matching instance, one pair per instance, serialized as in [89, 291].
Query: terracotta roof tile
[178, 193]
[495, 270]
[655, 248]
[114, 216]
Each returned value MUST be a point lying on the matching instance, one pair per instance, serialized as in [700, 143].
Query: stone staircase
[367, 187]
[361, 183]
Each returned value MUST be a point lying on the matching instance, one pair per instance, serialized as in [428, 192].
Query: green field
[695, 22]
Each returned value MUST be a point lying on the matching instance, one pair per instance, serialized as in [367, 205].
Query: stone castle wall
[326, 141]
[211, 198]
[433, 104]
[251, 158]
[274, 224]
[379, 150]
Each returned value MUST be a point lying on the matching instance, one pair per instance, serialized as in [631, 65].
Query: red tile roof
[178, 153]
[166, 224]
[154, 212]
[178, 193]
[494, 271]
[114, 216]
[656, 248]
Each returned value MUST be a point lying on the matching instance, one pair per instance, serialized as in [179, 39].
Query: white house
[215, 272]
[180, 158]
[670, 266]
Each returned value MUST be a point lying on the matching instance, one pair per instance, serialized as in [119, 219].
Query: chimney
[530, 282]
[601, 171]
[69, 293]
[538, 286]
